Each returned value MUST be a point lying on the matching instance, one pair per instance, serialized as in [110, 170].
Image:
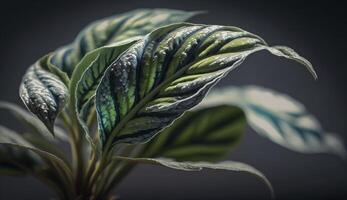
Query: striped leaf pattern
[87, 76]
[43, 92]
[203, 135]
[168, 72]
[279, 118]
[114, 29]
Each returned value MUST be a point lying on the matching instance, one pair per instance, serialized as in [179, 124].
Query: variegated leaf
[87, 76]
[279, 118]
[168, 72]
[198, 166]
[114, 29]
[203, 135]
[43, 92]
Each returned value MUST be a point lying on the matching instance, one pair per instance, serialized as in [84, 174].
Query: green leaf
[203, 135]
[279, 118]
[37, 128]
[20, 157]
[43, 93]
[114, 29]
[87, 76]
[198, 166]
[168, 72]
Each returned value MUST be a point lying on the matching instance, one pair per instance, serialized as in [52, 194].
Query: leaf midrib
[145, 100]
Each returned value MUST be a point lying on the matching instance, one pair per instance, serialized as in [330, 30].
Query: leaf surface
[168, 72]
[43, 93]
[115, 29]
[203, 135]
[198, 166]
[279, 118]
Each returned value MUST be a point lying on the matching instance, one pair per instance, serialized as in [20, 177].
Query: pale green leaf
[279, 118]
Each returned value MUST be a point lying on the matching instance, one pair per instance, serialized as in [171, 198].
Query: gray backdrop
[316, 30]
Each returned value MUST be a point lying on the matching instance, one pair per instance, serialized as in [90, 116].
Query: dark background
[316, 30]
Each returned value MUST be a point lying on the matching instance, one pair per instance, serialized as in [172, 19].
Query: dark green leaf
[168, 72]
[198, 166]
[18, 156]
[43, 93]
[203, 135]
[87, 76]
[114, 29]
[13, 160]
[279, 118]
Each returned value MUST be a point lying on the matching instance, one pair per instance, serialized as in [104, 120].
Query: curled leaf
[115, 29]
[43, 93]
[165, 74]
[198, 166]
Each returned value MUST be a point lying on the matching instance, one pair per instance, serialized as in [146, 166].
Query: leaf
[198, 166]
[203, 135]
[114, 29]
[168, 72]
[43, 93]
[87, 76]
[12, 160]
[19, 157]
[279, 118]
[32, 123]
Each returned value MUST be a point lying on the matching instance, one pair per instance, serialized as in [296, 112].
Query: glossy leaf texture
[115, 29]
[203, 135]
[198, 166]
[43, 92]
[279, 118]
[168, 72]
[87, 76]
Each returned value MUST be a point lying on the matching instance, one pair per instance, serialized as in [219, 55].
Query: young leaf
[43, 93]
[87, 75]
[114, 29]
[279, 118]
[168, 72]
[198, 166]
[202, 135]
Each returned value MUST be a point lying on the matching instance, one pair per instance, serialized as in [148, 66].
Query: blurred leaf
[279, 118]
[43, 93]
[19, 157]
[13, 160]
[114, 29]
[203, 135]
[168, 72]
[37, 128]
[198, 166]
